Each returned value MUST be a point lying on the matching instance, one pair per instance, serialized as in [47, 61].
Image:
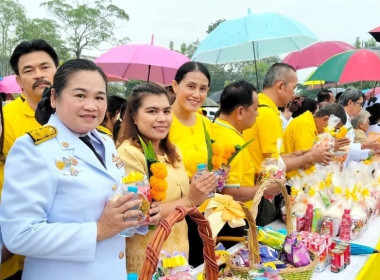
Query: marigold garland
[157, 181]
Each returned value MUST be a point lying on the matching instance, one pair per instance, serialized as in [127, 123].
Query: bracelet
[192, 204]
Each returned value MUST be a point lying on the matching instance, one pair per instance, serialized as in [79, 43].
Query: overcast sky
[187, 20]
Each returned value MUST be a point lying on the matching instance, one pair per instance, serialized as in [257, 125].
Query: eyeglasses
[360, 103]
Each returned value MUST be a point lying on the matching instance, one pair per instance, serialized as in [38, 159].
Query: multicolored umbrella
[375, 33]
[316, 54]
[142, 62]
[349, 67]
[8, 84]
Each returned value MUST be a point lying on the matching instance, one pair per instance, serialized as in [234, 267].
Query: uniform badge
[65, 144]
[66, 161]
[115, 158]
[73, 171]
[74, 161]
[59, 164]
[119, 164]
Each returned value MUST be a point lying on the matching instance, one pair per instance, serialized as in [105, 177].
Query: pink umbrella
[9, 85]
[114, 78]
[142, 62]
[316, 54]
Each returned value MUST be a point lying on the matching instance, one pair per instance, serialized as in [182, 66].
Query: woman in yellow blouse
[149, 116]
[190, 86]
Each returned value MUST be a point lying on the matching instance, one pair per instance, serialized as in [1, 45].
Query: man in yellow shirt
[34, 64]
[278, 89]
[238, 111]
[300, 134]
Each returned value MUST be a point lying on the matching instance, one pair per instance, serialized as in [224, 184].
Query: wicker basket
[162, 233]
[301, 273]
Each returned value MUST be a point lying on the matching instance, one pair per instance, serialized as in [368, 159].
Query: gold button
[121, 255]
[65, 144]
[114, 187]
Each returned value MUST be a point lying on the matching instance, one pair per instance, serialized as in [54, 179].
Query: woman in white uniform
[56, 204]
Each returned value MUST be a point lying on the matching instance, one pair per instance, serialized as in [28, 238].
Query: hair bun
[44, 109]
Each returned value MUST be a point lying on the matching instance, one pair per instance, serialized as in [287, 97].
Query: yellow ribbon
[174, 261]
[311, 192]
[222, 209]
[329, 179]
[133, 176]
[365, 192]
[338, 190]
[294, 191]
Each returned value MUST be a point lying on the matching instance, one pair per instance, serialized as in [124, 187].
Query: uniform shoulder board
[104, 130]
[43, 134]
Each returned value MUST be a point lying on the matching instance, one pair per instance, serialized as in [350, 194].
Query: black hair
[26, 47]
[332, 109]
[301, 104]
[277, 72]
[117, 125]
[236, 94]
[323, 95]
[337, 96]
[114, 104]
[374, 110]
[61, 78]
[191, 66]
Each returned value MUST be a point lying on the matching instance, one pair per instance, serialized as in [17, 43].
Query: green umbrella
[349, 67]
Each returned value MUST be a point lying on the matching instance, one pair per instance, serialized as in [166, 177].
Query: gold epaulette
[104, 130]
[42, 134]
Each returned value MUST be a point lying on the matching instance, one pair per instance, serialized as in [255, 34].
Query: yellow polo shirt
[18, 119]
[242, 171]
[300, 135]
[266, 131]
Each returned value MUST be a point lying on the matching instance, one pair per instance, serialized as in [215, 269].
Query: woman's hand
[155, 213]
[201, 187]
[118, 215]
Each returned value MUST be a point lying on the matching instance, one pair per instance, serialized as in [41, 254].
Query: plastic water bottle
[132, 276]
[130, 231]
[202, 168]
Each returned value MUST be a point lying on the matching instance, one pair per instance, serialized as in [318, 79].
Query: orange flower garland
[157, 181]
[221, 155]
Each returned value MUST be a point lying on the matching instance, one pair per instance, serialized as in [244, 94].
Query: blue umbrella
[253, 37]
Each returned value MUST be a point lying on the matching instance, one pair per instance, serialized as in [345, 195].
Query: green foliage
[86, 26]
[214, 25]
[46, 29]
[12, 15]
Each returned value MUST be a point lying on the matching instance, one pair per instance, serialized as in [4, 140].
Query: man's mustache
[40, 82]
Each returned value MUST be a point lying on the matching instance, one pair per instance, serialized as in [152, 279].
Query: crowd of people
[65, 145]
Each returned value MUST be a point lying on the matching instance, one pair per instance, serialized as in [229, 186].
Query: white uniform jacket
[53, 194]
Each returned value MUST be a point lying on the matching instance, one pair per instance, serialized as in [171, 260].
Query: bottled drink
[130, 231]
[308, 217]
[201, 168]
[132, 276]
[345, 226]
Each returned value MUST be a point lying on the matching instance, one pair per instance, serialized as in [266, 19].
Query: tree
[12, 14]
[46, 29]
[214, 25]
[85, 26]
[358, 43]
